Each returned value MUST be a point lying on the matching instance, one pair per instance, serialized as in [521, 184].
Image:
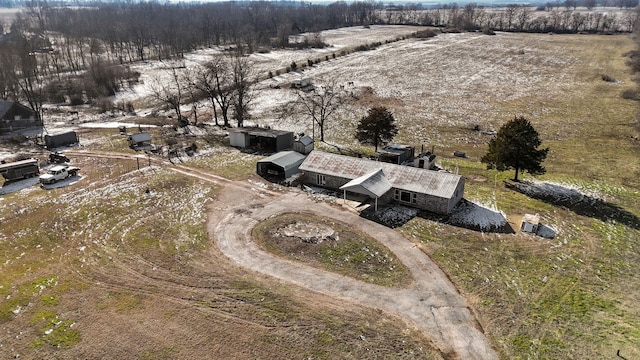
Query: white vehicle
[58, 173]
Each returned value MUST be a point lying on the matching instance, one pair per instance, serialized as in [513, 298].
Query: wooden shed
[140, 141]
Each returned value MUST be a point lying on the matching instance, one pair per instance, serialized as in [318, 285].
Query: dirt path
[431, 303]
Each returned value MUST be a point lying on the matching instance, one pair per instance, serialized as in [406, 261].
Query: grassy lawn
[348, 252]
[572, 296]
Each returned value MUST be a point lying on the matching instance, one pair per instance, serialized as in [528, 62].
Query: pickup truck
[58, 173]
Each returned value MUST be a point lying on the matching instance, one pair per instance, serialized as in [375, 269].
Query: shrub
[423, 34]
[310, 62]
[608, 78]
[103, 104]
[630, 94]
[270, 75]
[293, 66]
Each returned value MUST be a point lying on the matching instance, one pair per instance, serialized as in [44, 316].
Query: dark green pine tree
[516, 147]
[378, 127]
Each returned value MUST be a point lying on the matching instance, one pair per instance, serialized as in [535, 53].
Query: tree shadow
[576, 201]
[466, 214]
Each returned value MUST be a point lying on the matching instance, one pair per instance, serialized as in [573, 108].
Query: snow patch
[483, 216]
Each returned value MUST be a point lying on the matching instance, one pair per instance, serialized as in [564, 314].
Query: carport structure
[280, 166]
[373, 184]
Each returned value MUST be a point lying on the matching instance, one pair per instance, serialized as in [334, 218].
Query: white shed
[530, 223]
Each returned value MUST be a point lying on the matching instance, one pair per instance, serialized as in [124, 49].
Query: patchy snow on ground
[483, 216]
[561, 192]
[394, 216]
[15, 186]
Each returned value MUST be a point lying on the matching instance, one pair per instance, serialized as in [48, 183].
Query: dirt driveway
[431, 302]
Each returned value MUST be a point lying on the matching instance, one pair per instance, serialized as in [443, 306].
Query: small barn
[396, 153]
[140, 141]
[434, 191]
[261, 139]
[304, 145]
[280, 166]
[14, 116]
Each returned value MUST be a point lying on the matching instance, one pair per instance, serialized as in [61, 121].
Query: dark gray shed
[266, 140]
[304, 145]
[140, 141]
[54, 141]
[280, 166]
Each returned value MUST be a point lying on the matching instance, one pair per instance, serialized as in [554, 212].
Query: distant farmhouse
[434, 191]
[14, 116]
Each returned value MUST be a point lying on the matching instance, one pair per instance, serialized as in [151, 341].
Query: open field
[120, 264]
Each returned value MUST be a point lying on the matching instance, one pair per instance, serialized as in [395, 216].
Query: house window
[320, 179]
[405, 196]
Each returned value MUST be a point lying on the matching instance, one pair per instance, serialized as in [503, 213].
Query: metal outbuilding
[304, 145]
[140, 141]
[280, 166]
[261, 139]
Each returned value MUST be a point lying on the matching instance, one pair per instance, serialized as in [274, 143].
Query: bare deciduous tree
[243, 81]
[321, 104]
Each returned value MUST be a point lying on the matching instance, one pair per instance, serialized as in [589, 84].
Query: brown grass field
[105, 269]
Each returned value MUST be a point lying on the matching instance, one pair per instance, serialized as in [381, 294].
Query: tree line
[54, 53]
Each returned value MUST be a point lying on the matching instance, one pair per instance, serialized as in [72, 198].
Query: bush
[103, 104]
[270, 74]
[293, 66]
[608, 78]
[630, 94]
[424, 34]
[75, 100]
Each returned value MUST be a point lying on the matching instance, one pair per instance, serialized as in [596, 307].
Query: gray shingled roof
[408, 178]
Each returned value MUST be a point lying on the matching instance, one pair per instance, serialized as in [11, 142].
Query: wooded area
[53, 53]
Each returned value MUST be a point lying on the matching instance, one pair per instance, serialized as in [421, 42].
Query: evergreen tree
[516, 147]
[378, 127]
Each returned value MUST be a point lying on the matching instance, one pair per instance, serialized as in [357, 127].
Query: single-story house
[14, 116]
[396, 153]
[140, 141]
[266, 140]
[280, 166]
[434, 191]
[304, 145]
